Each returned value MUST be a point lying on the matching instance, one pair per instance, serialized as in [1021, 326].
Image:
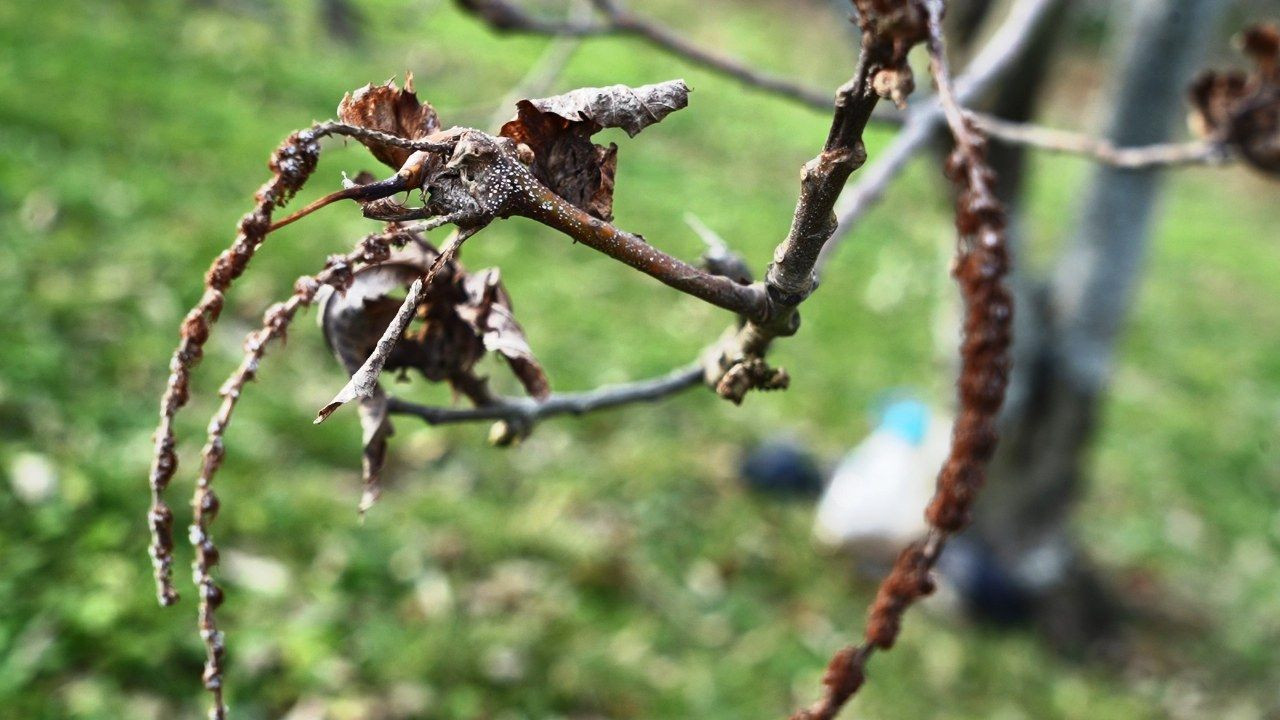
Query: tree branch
[981, 264]
[922, 121]
[541, 204]
[275, 322]
[1100, 149]
[508, 17]
[291, 165]
[520, 414]
[504, 16]
[790, 278]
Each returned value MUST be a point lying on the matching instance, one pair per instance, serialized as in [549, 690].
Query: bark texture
[1070, 323]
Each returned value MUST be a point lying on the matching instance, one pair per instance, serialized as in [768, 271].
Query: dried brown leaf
[1261, 43]
[386, 108]
[460, 317]
[616, 106]
[558, 131]
[352, 323]
[488, 311]
[1214, 97]
[1243, 110]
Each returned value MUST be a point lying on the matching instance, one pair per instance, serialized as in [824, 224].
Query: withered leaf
[352, 324]
[558, 131]
[1243, 110]
[616, 106]
[461, 316]
[1214, 96]
[441, 347]
[488, 311]
[1261, 43]
[386, 108]
[375, 428]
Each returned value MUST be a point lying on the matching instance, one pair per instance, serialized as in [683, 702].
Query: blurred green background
[611, 566]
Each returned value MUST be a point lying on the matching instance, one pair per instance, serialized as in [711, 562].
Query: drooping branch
[336, 273]
[291, 165]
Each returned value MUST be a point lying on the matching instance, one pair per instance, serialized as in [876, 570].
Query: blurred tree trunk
[1068, 325]
[964, 19]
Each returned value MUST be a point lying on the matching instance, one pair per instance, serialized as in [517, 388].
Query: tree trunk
[1069, 325]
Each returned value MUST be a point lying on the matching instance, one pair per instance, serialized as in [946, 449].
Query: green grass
[610, 566]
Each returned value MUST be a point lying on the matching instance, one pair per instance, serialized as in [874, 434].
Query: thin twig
[1100, 149]
[716, 246]
[291, 164]
[332, 127]
[510, 17]
[369, 191]
[618, 20]
[528, 410]
[538, 80]
[541, 204]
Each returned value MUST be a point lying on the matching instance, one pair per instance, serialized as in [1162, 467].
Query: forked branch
[981, 264]
[543, 165]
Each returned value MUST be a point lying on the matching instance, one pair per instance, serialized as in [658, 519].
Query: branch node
[750, 373]
[788, 295]
[510, 431]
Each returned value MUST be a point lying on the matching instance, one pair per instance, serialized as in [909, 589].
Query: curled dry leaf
[386, 108]
[1261, 43]
[460, 316]
[1243, 109]
[617, 106]
[558, 131]
[352, 324]
[488, 311]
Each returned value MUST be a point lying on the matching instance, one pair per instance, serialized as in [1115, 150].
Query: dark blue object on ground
[781, 468]
[990, 592]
